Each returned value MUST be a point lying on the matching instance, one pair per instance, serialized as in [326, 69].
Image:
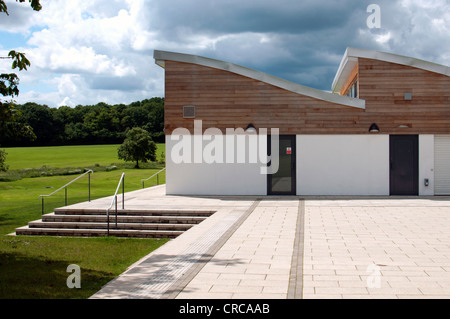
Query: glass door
[283, 182]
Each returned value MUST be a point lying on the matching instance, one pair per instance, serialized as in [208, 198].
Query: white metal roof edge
[354, 53]
[161, 56]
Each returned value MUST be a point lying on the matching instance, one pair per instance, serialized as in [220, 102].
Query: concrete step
[131, 212]
[25, 230]
[149, 223]
[52, 217]
[112, 225]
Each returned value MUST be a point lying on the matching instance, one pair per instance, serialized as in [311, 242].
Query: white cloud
[90, 49]
[82, 59]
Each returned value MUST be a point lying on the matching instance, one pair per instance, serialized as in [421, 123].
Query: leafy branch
[19, 60]
[10, 127]
[33, 3]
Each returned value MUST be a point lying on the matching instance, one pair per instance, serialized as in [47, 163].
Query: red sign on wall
[288, 150]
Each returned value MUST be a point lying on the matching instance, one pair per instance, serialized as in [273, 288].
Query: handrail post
[89, 176]
[116, 209]
[157, 177]
[107, 222]
[65, 190]
[114, 200]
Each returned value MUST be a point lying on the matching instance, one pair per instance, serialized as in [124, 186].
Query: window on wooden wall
[353, 90]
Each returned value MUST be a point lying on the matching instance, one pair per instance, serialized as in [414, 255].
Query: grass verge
[19, 158]
[35, 267]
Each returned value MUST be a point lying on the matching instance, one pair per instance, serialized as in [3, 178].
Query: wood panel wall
[383, 85]
[351, 78]
[227, 100]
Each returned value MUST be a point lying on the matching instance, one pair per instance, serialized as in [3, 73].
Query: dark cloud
[305, 39]
[225, 17]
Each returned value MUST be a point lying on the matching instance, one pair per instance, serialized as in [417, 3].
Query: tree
[3, 166]
[18, 58]
[138, 146]
[41, 118]
[12, 129]
[33, 3]
[89, 124]
[9, 125]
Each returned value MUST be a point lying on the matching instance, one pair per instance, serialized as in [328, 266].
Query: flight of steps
[130, 223]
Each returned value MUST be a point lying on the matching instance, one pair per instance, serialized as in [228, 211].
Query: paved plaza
[294, 247]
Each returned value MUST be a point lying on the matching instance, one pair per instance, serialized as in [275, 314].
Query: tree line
[89, 124]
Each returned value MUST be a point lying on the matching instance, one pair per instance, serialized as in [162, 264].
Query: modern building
[384, 129]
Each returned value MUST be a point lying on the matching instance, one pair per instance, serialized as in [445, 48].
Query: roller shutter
[442, 164]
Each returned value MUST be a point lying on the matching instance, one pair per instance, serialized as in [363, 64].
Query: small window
[188, 111]
[353, 90]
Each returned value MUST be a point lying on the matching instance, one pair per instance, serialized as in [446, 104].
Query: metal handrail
[157, 178]
[114, 200]
[65, 186]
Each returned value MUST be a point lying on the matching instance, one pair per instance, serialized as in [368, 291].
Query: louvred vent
[189, 111]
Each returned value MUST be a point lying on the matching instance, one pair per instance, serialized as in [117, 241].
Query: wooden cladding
[383, 85]
[351, 79]
[226, 100]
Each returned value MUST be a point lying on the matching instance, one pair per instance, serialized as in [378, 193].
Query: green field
[35, 267]
[64, 156]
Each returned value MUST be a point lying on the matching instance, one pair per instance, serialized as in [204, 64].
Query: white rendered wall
[426, 164]
[326, 165]
[343, 164]
[212, 178]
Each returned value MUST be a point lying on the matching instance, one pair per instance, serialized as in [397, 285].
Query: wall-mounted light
[250, 128]
[374, 128]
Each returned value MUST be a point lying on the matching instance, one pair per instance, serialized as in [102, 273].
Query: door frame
[415, 158]
[293, 139]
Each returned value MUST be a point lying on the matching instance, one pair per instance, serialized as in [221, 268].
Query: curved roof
[161, 56]
[351, 58]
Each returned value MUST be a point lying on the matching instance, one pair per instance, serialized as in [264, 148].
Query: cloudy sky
[85, 51]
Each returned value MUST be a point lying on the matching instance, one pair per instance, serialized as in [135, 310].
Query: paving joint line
[177, 287]
[295, 290]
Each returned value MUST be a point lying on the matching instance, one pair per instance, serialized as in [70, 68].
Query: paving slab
[293, 247]
[372, 248]
[253, 256]
[158, 274]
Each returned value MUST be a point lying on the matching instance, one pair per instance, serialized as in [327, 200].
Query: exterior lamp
[250, 129]
[374, 128]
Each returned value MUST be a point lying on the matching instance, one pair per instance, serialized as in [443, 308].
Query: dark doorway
[283, 182]
[404, 164]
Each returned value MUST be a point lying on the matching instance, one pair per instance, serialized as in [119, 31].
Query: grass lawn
[35, 267]
[64, 156]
